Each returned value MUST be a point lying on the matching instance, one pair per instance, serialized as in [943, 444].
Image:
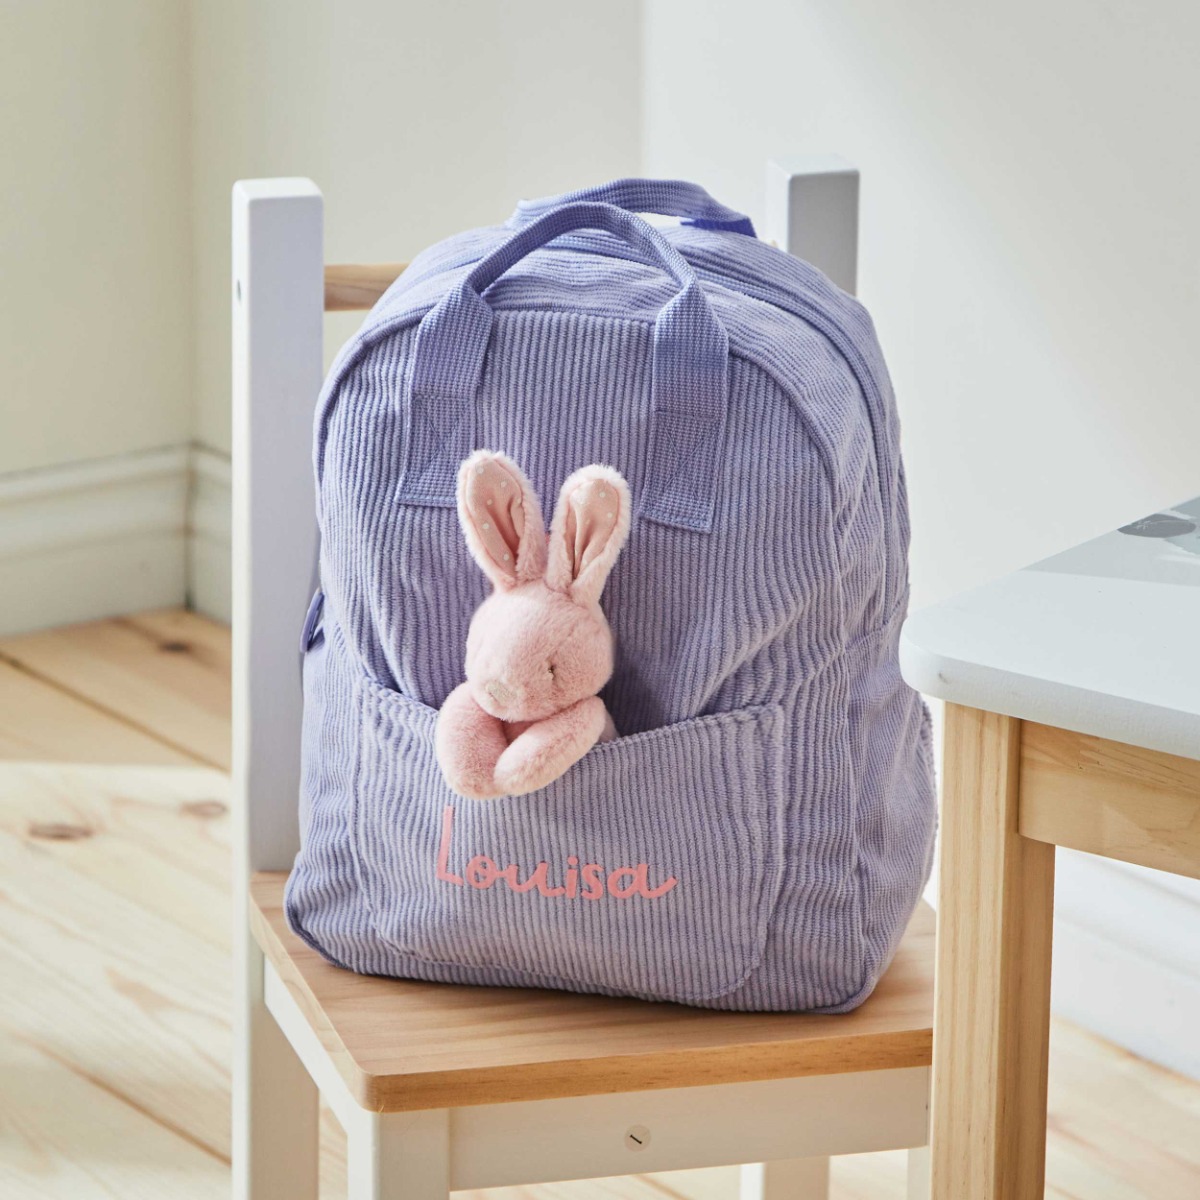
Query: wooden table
[1073, 719]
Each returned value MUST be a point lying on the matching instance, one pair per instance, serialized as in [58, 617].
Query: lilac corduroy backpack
[759, 834]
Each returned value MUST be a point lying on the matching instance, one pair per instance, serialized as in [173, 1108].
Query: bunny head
[540, 642]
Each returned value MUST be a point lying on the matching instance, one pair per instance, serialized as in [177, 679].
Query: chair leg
[398, 1156]
[787, 1179]
[919, 1171]
[275, 1104]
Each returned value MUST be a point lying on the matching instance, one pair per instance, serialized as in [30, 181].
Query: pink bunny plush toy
[539, 647]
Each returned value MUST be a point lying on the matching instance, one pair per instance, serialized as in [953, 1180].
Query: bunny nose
[498, 691]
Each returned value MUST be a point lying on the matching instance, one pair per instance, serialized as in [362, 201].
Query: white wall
[416, 120]
[95, 269]
[124, 125]
[1030, 242]
[95, 308]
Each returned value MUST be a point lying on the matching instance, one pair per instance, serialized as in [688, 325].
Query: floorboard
[42, 722]
[165, 674]
[114, 956]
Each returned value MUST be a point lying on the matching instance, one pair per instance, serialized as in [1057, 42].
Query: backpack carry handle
[667, 197]
[689, 387]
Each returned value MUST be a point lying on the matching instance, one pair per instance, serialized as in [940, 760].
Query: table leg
[992, 1009]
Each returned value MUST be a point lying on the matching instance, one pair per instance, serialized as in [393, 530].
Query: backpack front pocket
[651, 868]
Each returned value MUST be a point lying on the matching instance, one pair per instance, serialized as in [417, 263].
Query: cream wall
[95, 263]
[1030, 248]
[1030, 243]
[123, 126]
[416, 120]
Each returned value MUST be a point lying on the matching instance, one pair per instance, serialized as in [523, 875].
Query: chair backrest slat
[812, 212]
[278, 289]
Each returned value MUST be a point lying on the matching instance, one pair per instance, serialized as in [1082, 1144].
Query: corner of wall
[93, 539]
[209, 544]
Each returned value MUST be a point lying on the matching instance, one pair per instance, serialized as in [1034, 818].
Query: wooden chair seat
[402, 1045]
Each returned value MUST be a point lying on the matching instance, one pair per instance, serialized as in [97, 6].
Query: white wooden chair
[442, 1088]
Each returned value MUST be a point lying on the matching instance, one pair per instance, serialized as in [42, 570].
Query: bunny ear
[501, 519]
[589, 528]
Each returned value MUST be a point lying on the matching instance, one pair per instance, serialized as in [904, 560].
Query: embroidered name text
[589, 881]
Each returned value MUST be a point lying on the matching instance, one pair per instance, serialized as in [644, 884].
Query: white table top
[1102, 639]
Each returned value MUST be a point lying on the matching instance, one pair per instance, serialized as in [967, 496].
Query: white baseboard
[1127, 957]
[210, 519]
[92, 539]
[96, 539]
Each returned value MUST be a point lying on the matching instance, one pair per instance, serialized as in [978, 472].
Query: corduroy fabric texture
[772, 762]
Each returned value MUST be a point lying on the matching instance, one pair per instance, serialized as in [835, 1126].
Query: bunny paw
[548, 748]
[468, 743]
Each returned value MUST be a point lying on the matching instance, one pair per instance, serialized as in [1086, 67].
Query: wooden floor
[114, 955]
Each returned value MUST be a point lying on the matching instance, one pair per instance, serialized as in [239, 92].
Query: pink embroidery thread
[481, 873]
